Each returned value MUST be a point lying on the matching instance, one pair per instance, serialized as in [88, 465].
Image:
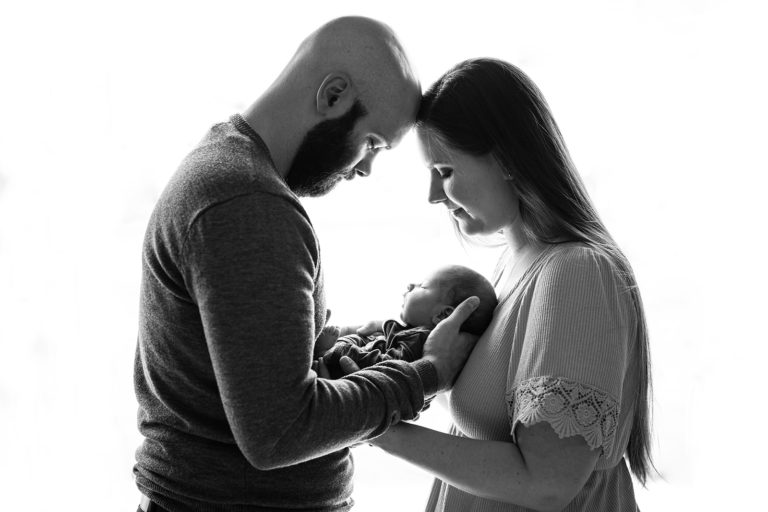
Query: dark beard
[325, 155]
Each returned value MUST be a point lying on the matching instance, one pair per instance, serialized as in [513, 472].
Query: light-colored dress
[562, 348]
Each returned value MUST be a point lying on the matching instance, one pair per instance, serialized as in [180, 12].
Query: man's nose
[436, 193]
[363, 167]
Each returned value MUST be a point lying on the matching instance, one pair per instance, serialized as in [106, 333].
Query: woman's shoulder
[573, 263]
[575, 251]
[576, 255]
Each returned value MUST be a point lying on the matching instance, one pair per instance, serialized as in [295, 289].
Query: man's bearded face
[326, 155]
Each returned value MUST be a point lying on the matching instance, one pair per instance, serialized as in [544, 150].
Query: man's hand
[318, 365]
[447, 348]
[348, 365]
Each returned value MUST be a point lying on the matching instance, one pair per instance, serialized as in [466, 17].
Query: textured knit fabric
[396, 342]
[561, 349]
[232, 301]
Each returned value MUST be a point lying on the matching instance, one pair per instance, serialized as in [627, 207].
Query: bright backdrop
[662, 104]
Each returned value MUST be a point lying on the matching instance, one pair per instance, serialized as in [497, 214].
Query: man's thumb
[348, 365]
[463, 310]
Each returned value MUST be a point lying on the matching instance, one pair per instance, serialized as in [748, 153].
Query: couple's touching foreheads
[250, 397]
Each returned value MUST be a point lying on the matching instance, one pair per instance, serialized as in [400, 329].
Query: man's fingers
[322, 370]
[348, 365]
[463, 310]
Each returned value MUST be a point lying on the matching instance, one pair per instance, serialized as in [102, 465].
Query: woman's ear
[334, 95]
[442, 313]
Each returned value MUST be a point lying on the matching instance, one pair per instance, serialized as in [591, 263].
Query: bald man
[232, 297]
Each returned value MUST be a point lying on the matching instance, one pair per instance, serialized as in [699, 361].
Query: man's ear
[442, 313]
[335, 94]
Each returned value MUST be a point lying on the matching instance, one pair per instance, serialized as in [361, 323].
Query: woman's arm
[541, 471]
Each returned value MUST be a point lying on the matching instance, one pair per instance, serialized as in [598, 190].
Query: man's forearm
[337, 414]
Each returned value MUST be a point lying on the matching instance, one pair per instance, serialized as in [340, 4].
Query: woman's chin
[473, 227]
[470, 228]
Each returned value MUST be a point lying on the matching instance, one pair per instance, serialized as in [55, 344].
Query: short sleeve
[575, 341]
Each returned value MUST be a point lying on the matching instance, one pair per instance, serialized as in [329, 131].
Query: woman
[555, 393]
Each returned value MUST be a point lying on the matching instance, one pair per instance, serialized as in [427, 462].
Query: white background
[662, 104]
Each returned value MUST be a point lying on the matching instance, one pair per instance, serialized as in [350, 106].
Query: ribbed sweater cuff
[428, 374]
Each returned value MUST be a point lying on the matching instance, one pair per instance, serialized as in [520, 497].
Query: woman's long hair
[487, 106]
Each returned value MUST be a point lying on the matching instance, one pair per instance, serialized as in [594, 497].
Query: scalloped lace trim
[569, 407]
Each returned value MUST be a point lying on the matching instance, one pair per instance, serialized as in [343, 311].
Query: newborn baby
[424, 305]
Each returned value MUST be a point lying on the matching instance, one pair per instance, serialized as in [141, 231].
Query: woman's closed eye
[444, 172]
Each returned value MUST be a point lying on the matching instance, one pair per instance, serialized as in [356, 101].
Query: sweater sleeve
[250, 265]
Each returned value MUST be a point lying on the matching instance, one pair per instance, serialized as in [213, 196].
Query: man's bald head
[365, 49]
[347, 93]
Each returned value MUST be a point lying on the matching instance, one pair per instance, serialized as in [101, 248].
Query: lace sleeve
[569, 407]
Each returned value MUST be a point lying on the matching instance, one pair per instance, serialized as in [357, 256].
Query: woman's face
[474, 189]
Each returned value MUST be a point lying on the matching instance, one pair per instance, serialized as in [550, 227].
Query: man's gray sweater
[232, 300]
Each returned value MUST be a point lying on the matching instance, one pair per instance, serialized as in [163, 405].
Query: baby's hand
[370, 327]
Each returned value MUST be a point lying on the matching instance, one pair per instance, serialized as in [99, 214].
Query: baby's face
[422, 301]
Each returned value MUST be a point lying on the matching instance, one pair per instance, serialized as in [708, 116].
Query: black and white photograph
[490, 256]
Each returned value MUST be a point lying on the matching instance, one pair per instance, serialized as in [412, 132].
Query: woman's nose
[436, 193]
